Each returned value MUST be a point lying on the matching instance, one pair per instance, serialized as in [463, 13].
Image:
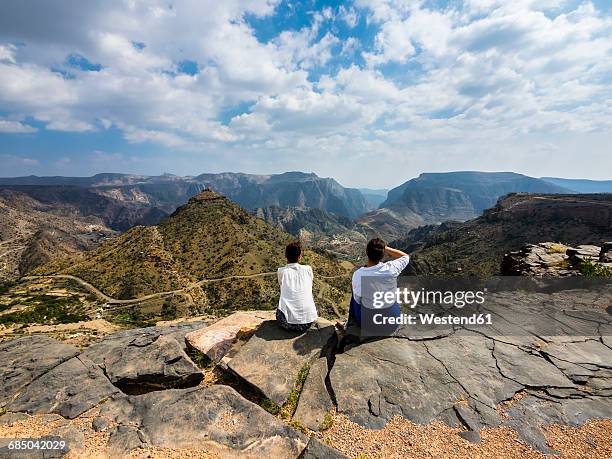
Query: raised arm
[394, 253]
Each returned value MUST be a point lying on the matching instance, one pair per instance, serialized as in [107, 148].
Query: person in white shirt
[296, 307]
[379, 277]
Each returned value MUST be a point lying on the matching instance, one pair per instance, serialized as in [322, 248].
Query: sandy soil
[399, 439]
[404, 439]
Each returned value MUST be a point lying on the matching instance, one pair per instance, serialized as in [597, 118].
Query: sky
[370, 92]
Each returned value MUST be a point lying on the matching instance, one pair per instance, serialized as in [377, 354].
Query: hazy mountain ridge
[438, 197]
[582, 185]
[477, 246]
[290, 189]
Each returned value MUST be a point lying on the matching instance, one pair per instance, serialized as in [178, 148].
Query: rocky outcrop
[214, 418]
[23, 360]
[273, 357]
[217, 340]
[554, 259]
[150, 358]
[69, 390]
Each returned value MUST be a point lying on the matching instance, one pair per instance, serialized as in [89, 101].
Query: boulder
[272, 359]
[215, 418]
[23, 360]
[69, 389]
[220, 341]
[149, 358]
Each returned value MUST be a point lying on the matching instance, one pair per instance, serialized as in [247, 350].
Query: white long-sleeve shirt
[296, 300]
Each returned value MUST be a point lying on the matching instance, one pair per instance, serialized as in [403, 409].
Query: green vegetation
[134, 318]
[47, 309]
[2, 411]
[5, 286]
[328, 421]
[270, 406]
[590, 269]
[290, 405]
[200, 359]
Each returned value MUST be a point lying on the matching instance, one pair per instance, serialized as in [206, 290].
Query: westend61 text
[431, 319]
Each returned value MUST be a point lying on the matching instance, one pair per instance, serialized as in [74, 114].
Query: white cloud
[16, 127]
[454, 80]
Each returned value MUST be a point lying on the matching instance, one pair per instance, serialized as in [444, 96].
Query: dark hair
[293, 251]
[376, 249]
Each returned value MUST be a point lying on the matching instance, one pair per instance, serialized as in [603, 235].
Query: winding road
[113, 301]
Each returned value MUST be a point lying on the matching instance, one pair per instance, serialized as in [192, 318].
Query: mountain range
[167, 192]
[477, 246]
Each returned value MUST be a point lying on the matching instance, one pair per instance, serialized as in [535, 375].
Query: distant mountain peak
[207, 194]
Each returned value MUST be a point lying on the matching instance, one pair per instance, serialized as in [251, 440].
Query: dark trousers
[281, 320]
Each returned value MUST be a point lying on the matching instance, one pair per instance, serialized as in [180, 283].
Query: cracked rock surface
[22, 360]
[69, 390]
[479, 377]
[216, 418]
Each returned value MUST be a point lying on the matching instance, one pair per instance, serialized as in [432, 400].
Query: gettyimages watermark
[426, 307]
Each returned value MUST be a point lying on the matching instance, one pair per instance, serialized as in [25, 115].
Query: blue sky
[369, 92]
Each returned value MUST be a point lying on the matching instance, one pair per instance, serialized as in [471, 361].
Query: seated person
[296, 308]
[378, 276]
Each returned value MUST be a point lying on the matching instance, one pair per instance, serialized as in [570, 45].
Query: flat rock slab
[22, 360]
[219, 339]
[272, 359]
[377, 380]
[214, 418]
[315, 401]
[150, 357]
[69, 389]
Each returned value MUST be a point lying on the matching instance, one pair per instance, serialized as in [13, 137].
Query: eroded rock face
[554, 259]
[23, 360]
[69, 390]
[272, 359]
[152, 357]
[215, 418]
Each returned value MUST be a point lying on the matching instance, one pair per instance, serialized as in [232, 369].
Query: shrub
[591, 269]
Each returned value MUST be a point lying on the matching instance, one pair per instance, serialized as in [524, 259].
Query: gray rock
[530, 414]
[215, 418]
[100, 424]
[273, 357]
[22, 360]
[526, 368]
[69, 389]
[11, 418]
[470, 435]
[470, 362]
[315, 401]
[380, 379]
[72, 435]
[319, 450]
[148, 359]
